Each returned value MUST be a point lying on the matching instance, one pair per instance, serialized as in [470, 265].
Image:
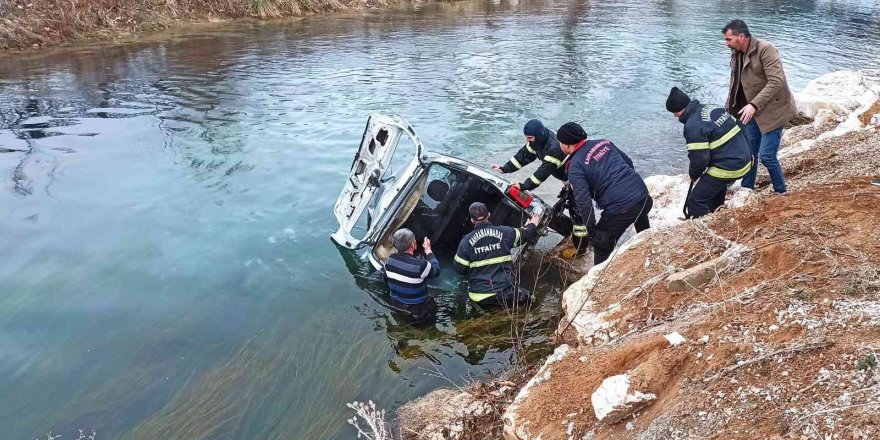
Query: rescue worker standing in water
[484, 256]
[541, 143]
[599, 171]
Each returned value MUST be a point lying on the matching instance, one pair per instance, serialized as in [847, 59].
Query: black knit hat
[478, 211]
[570, 133]
[533, 128]
[677, 100]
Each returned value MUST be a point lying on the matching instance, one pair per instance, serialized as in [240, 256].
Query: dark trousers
[510, 298]
[416, 314]
[611, 227]
[565, 225]
[707, 196]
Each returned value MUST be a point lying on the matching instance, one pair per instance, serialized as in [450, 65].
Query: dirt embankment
[40, 23]
[778, 341]
[759, 321]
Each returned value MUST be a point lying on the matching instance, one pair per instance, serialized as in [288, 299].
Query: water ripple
[140, 181]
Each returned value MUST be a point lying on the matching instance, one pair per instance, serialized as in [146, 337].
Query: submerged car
[394, 183]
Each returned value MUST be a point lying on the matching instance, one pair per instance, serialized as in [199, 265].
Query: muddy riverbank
[759, 321]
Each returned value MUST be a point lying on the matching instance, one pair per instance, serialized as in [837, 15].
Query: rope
[684, 209]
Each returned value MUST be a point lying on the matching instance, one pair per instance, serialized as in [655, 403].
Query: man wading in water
[407, 274]
[484, 256]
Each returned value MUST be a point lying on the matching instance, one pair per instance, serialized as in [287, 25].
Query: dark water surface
[166, 270]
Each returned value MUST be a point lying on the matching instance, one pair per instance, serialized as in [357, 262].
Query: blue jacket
[599, 171]
[716, 142]
[484, 256]
[406, 276]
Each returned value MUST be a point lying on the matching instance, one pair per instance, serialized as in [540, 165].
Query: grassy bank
[40, 23]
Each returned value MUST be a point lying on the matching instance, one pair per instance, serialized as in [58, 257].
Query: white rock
[739, 197]
[613, 396]
[841, 92]
[589, 322]
[835, 98]
[842, 95]
[675, 338]
[668, 193]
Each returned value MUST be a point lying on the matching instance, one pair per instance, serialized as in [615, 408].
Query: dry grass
[469, 412]
[832, 159]
[40, 23]
[474, 410]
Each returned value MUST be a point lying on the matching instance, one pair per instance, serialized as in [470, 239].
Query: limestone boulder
[614, 401]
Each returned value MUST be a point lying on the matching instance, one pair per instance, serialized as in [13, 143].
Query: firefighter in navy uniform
[541, 143]
[717, 148]
[598, 170]
[484, 256]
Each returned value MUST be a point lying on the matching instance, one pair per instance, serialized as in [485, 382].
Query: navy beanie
[677, 100]
[570, 134]
[533, 128]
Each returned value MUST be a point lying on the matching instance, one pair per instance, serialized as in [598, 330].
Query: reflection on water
[166, 204]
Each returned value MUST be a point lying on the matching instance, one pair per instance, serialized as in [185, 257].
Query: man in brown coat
[760, 97]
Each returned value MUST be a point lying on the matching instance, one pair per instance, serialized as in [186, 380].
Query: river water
[166, 270]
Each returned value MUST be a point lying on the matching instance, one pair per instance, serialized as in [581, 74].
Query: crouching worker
[599, 171]
[484, 256]
[406, 275]
[540, 144]
[717, 148]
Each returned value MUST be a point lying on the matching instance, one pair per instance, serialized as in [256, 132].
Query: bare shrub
[375, 427]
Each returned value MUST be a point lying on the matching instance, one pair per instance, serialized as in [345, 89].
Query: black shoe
[876, 182]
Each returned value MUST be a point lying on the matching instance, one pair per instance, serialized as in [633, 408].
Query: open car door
[378, 174]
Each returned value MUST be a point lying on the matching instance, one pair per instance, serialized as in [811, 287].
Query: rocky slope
[760, 321]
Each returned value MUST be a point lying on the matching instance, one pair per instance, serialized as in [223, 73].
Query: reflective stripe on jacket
[484, 256]
[716, 142]
[546, 148]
